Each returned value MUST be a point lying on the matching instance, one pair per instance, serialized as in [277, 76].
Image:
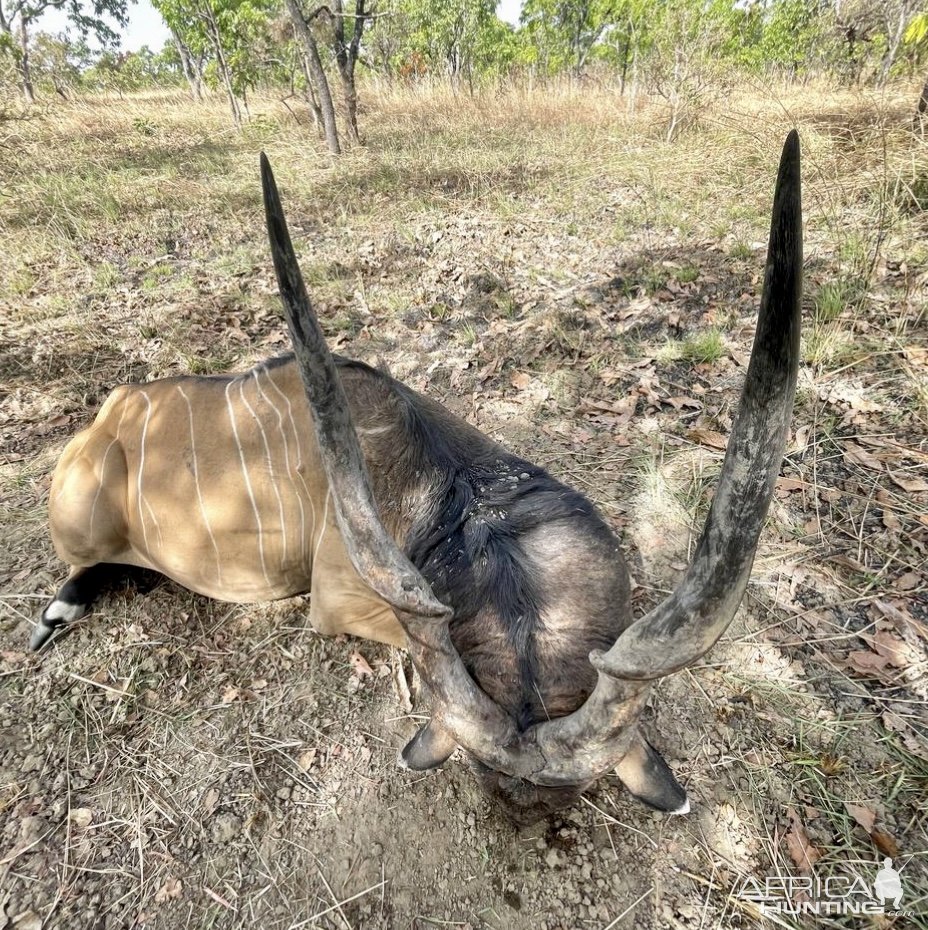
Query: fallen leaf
[912, 485]
[858, 455]
[172, 888]
[890, 646]
[622, 408]
[885, 843]
[800, 440]
[864, 815]
[27, 920]
[848, 562]
[360, 665]
[870, 665]
[230, 695]
[679, 402]
[707, 437]
[11, 655]
[908, 582]
[802, 850]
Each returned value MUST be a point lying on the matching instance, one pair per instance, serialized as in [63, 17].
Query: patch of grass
[156, 276]
[216, 362]
[703, 347]
[22, 281]
[106, 276]
[467, 334]
[828, 345]
[237, 262]
[652, 278]
[834, 297]
[741, 250]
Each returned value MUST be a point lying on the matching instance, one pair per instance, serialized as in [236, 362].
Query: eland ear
[427, 749]
[649, 779]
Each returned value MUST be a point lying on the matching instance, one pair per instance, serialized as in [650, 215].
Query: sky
[147, 28]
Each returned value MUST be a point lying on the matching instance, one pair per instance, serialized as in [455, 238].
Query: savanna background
[557, 227]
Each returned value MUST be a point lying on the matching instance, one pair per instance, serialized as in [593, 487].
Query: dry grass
[546, 233]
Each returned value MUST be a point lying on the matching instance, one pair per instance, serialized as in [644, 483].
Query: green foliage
[796, 34]
[561, 34]
[459, 39]
[123, 72]
[917, 31]
[688, 51]
[58, 62]
[95, 18]
[230, 36]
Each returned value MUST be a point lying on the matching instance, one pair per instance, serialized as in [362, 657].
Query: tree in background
[452, 38]
[347, 42]
[59, 62]
[565, 32]
[231, 33]
[916, 44]
[687, 51]
[87, 20]
[192, 63]
[315, 71]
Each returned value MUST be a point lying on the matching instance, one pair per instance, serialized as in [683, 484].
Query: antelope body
[411, 527]
[217, 483]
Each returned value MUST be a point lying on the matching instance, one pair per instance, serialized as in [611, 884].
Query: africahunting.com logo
[834, 895]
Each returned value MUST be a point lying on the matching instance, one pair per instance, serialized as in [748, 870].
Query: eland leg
[76, 597]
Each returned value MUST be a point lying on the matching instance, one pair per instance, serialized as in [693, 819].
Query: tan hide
[215, 482]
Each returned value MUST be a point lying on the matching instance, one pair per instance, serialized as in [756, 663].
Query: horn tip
[789, 160]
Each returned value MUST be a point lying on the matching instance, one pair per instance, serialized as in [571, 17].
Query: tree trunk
[921, 114]
[190, 72]
[314, 107]
[22, 61]
[346, 57]
[895, 41]
[317, 72]
[624, 74]
[216, 40]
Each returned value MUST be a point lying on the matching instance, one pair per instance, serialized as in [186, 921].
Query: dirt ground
[584, 293]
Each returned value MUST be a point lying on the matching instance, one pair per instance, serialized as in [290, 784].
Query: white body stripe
[270, 471]
[299, 451]
[96, 497]
[251, 494]
[289, 464]
[325, 514]
[139, 476]
[196, 480]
